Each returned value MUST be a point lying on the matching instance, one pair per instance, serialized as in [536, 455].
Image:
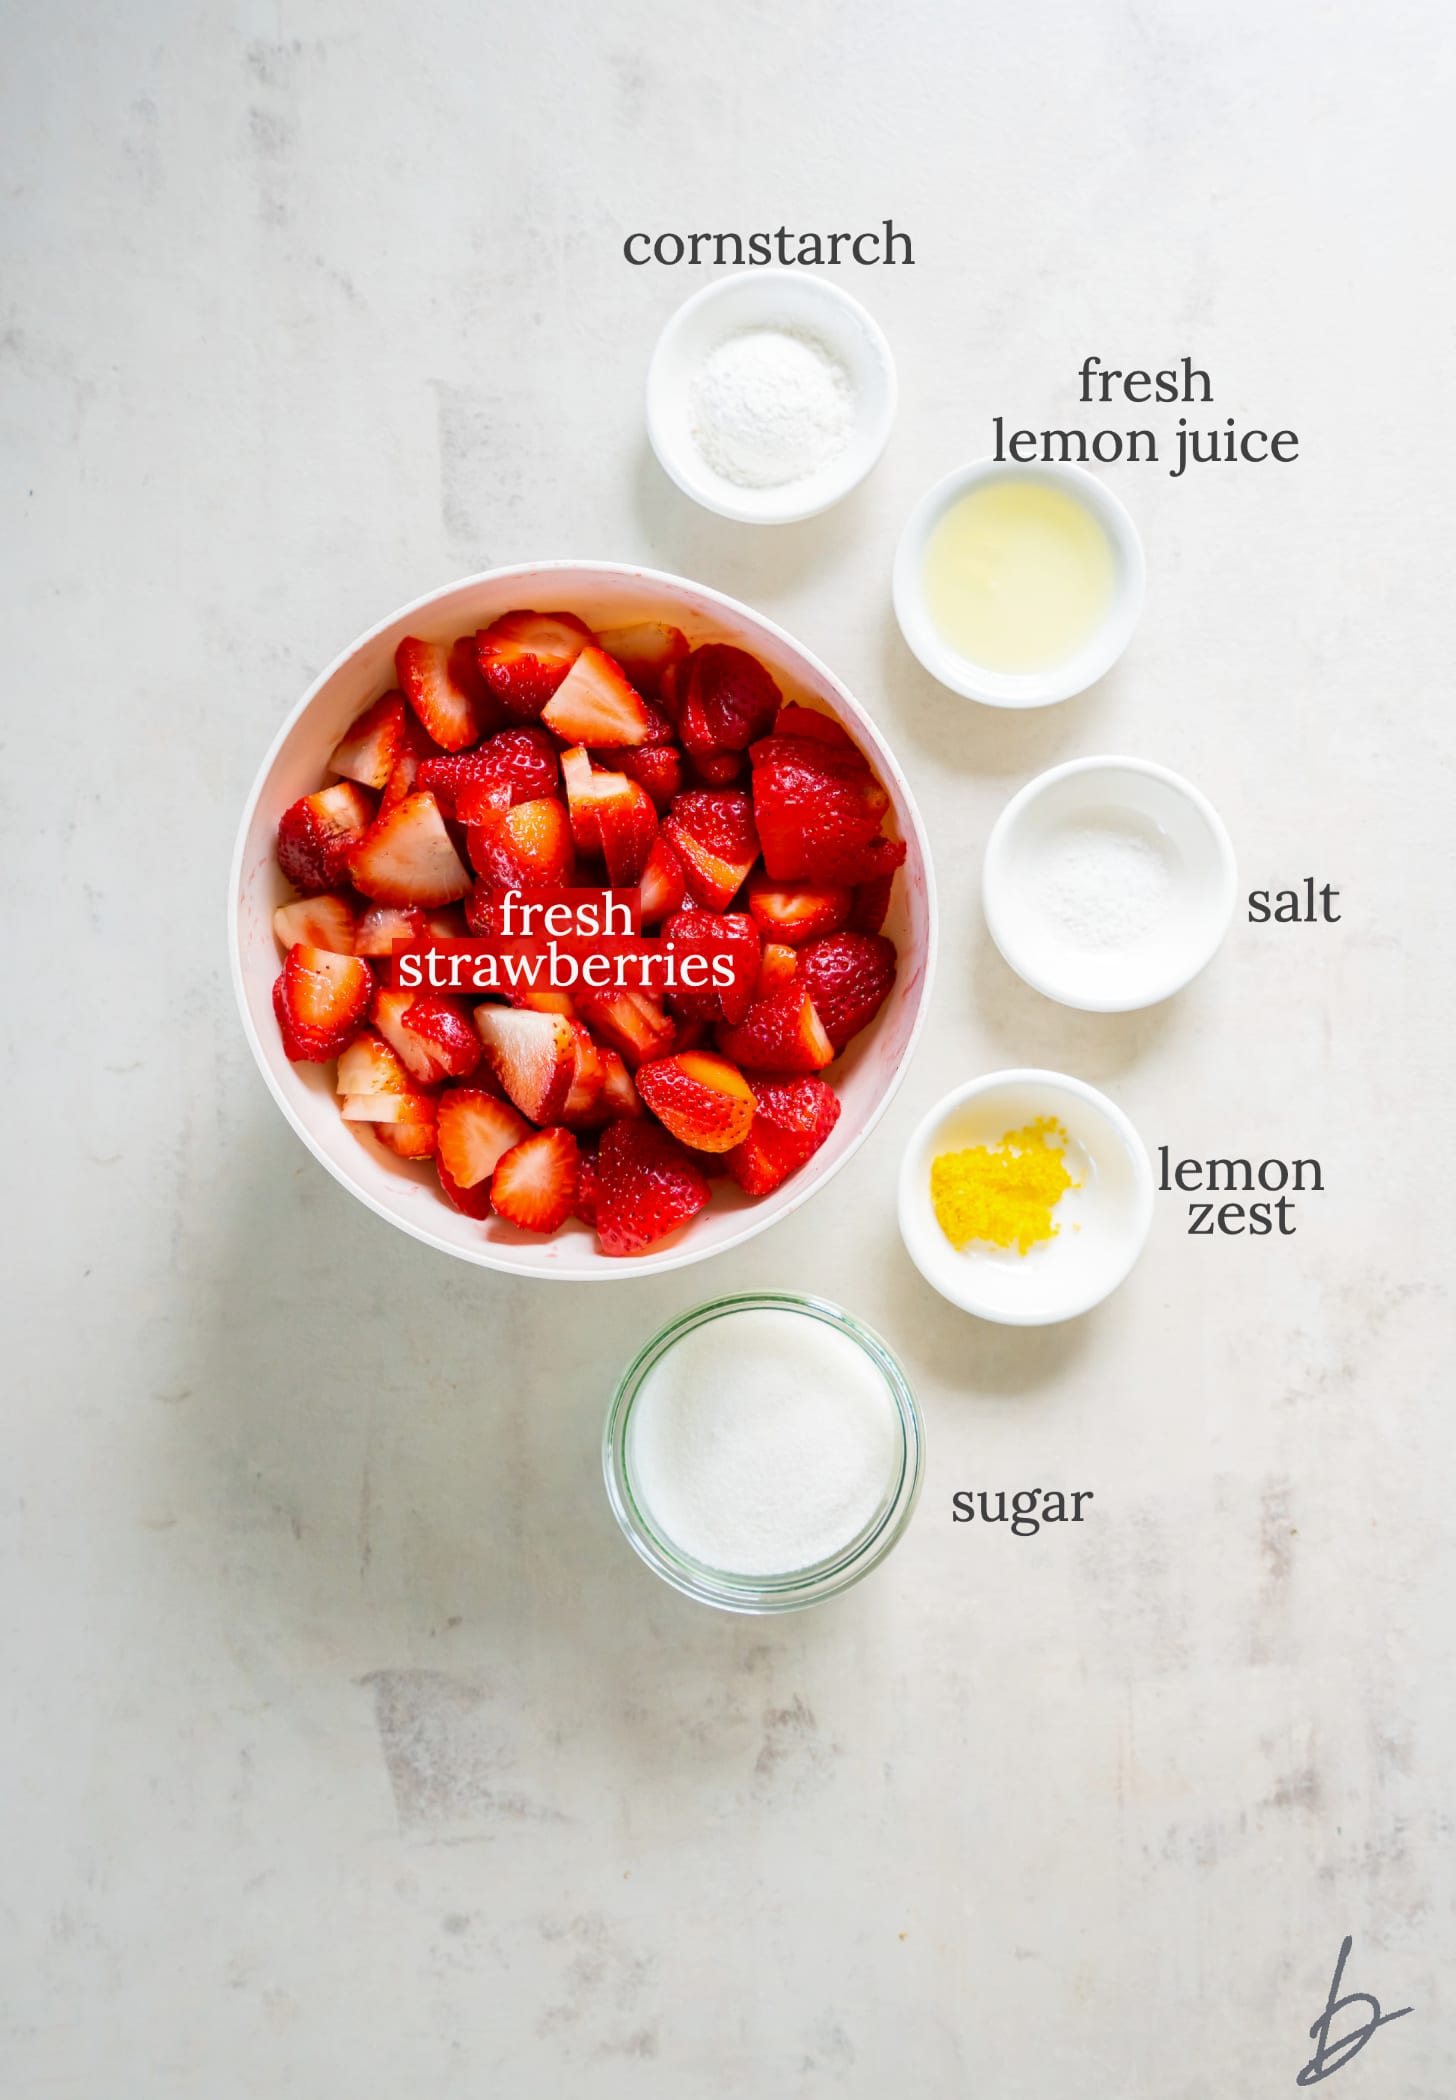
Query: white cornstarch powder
[769, 406]
[1105, 885]
[763, 1442]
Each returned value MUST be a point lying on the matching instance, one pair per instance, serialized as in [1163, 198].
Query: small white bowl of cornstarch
[770, 396]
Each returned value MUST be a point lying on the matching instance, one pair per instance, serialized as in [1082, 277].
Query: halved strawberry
[588, 1074]
[383, 924]
[871, 903]
[632, 1022]
[792, 1119]
[409, 857]
[777, 966]
[646, 651]
[594, 704]
[411, 1109]
[848, 976]
[657, 767]
[521, 760]
[417, 747]
[781, 1033]
[703, 1100]
[796, 720]
[647, 1185]
[534, 1185]
[797, 912]
[320, 1000]
[475, 1131]
[473, 1202]
[420, 1058]
[431, 679]
[527, 847]
[369, 1066]
[318, 833]
[627, 823]
[367, 752]
[523, 657]
[533, 1056]
[663, 882]
[580, 778]
[728, 699]
[318, 922]
[444, 1025]
[728, 933]
[619, 1095]
[714, 834]
[818, 809]
[409, 1140]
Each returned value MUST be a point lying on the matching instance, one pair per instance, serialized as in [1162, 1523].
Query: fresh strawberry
[848, 976]
[367, 752]
[409, 1140]
[464, 670]
[532, 1055]
[588, 1075]
[619, 1095]
[419, 1057]
[715, 838]
[411, 1109]
[797, 912]
[792, 1119]
[663, 882]
[320, 1000]
[540, 999]
[409, 857]
[318, 833]
[383, 924]
[647, 1186]
[580, 778]
[646, 651]
[416, 749]
[594, 704]
[430, 677]
[318, 922]
[627, 823]
[777, 967]
[534, 1185]
[527, 847]
[475, 1131]
[794, 720]
[521, 760]
[728, 700]
[712, 933]
[585, 1206]
[523, 657]
[444, 1025]
[473, 1202]
[716, 769]
[781, 1033]
[702, 1099]
[871, 903]
[633, 1022]
[818, 811]
[657, 767]
[369, 1066]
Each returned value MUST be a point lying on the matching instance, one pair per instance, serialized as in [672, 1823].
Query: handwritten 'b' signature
[1333, 2056]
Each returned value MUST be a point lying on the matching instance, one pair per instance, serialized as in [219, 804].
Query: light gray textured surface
[347, 1750]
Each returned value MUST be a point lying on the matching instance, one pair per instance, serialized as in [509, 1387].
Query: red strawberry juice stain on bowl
[402, 1190]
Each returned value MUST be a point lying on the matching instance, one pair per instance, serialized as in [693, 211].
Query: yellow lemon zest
[1005, 1193]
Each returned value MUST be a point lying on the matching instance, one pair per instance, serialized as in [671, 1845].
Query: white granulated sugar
[769, 406]
[1105, 885]
[763, 1443]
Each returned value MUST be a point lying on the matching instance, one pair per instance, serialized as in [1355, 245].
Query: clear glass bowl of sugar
[763, 1452]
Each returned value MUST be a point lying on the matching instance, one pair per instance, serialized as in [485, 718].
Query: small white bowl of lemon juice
[1018, 585]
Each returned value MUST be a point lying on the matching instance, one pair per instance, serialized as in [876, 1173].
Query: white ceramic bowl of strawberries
[475, 741]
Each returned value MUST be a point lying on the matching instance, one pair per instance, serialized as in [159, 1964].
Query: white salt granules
[769, 406]
[763, 1443]
[1105, 885]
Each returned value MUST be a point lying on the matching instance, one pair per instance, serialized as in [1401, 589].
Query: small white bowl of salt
[1109, 883]
[770, 396]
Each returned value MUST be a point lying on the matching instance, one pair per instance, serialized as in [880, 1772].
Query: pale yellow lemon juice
[1018, 575]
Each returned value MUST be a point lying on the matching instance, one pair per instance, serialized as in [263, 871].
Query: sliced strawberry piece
[318, 922]
[408, 1140]
[580, 777]
[728, 933]
[646, 651]
[430, 677]
[792, 1119]
[369, 1066]
[522, 760]
[797, 912]
[416, 749]
[633, 1022]
[729, 700]
[534, 1186]
[320, 1000]
[663, 882]
[523, 657]
[367, 752]
[588, 1074]
[532, 1055]
[409, 857]
[527, 847]
[627, 823]
[319, 832]
[585, 1206]
[420, 1058]
[704, 1100]
[872, 903]
[781, 1033]
[386, 1108]
[594, 704]
[714, 834]
[647, 1186]
[657, 767]
[445, 1026]
[619, 1095]
[475, 1131]
[848, 976]
[473, 1202]
[817, 808]
[383, 924]
[777, 967]
[794, 720]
